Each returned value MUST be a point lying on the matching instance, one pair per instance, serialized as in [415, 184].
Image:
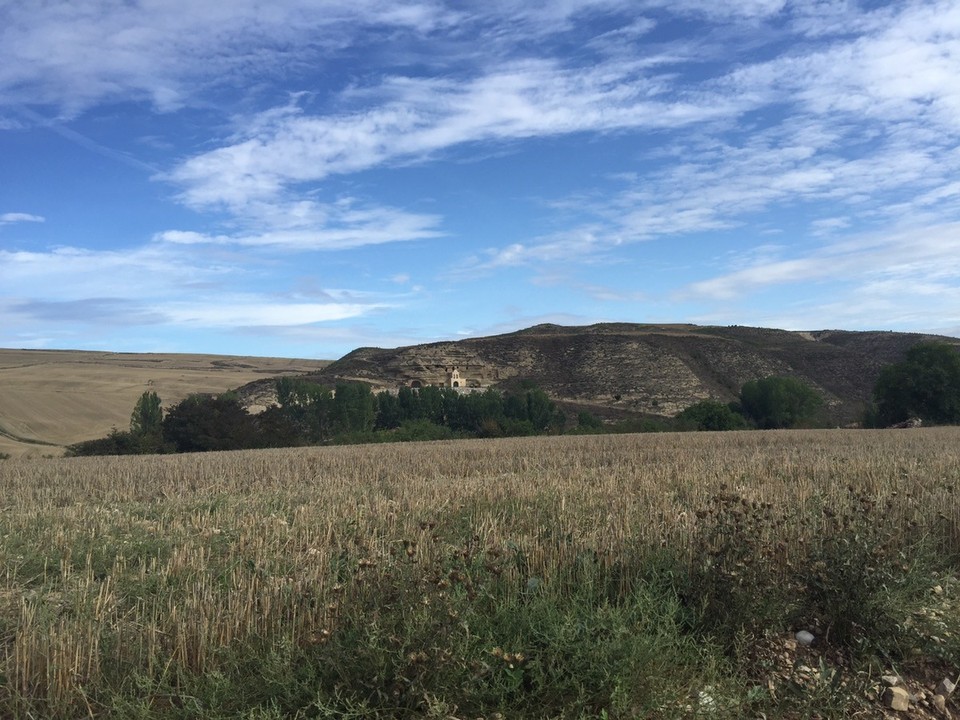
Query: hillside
[52, 398]
[658, 370]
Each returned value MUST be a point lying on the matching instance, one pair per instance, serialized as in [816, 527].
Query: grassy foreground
[647, 576]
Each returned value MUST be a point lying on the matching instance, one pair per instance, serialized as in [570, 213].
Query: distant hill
[658, 370]
[52, 398]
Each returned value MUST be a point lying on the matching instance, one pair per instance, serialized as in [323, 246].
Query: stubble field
[597, 576]
[52, 398]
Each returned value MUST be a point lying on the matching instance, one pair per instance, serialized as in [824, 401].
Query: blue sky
[300, 178]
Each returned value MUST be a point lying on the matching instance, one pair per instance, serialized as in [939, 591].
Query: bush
[422, 430]
[710, 415]
[588, 422]
[118, 442]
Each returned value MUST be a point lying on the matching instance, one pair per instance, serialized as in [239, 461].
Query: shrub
[710, 415]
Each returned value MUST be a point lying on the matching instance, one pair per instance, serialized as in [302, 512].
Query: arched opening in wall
[456, 383]
[416, 384]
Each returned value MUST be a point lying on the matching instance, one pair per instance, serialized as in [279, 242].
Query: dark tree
[389, 412]
[926, 385]
[116, 443]
[780, 402]
[209, 422]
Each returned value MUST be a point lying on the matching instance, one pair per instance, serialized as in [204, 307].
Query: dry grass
[62, 397]
[156, 565]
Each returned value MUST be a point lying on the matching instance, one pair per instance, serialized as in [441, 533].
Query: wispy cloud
[307, 225]
[898, 265]
[167, 52]
[414, 118]
[864, 129]
[17, 217]
[155, 286]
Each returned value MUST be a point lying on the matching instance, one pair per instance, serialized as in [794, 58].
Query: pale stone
[890, 680]
[940, 703]
[946, 687]
[804, 637]
[896, 698]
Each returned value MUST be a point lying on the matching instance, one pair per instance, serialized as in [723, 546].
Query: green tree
[308, 406]
[926, 385]
[710, 415]
[209, 422]
[780, 402]
[354, 408]
[389, 412]
[147, 417]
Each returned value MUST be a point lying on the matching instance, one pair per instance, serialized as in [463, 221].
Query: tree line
[308, 413]
[924, 387]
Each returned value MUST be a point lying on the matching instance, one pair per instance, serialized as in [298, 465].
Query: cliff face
[615, 369]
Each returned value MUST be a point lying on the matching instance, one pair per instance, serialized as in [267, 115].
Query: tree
[147, 416]
[780, 402]
[354, 408]
[926, 385]
[710, 415]
[389, 412]
[308, 406]
[209, 422]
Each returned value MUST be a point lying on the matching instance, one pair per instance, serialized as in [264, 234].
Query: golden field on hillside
[160, 563]
[52, 398]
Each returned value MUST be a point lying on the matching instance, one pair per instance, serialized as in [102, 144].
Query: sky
[298, 178]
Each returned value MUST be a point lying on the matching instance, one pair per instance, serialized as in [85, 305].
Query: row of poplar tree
[309, 413]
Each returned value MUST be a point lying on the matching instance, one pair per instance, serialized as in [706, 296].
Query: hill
[52, 398]
[657, 370]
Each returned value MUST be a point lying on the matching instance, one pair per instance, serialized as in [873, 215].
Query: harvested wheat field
[52, 398]
[638, 576]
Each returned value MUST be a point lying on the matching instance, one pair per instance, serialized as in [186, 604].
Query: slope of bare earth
[620, 368]
[52, 398]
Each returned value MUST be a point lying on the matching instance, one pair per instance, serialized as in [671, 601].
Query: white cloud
[910, 259]
[154, 285]
[16, 217]
[257, 312]
[868, 135]
[738, 9]
[416, 117]
[308, 225]
[581, 243]
[74, 54]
